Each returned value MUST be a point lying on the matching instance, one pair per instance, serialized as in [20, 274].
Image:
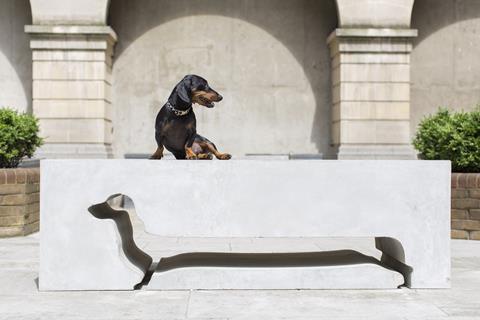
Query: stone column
[371, 93]
[71, 89]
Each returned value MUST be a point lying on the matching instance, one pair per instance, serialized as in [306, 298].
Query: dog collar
[176, 111]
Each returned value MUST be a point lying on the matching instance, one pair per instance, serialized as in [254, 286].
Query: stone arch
[350, 13]
[132, 21]
[374, 13]
[15, 56]
[70, 12]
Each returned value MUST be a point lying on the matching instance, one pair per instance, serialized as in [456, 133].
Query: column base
[75, 151]
[376, 152]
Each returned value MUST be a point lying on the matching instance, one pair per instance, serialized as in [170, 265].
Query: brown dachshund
[176, 125]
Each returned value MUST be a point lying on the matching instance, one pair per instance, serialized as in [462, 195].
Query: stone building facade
[346, 78]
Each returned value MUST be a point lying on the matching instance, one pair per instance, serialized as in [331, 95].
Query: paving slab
[319, 304]
[21, 300]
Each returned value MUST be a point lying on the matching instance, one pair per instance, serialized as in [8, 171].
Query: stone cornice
[371, 33]
[72, 30]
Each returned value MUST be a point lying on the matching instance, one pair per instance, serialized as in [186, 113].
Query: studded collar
[176, 111]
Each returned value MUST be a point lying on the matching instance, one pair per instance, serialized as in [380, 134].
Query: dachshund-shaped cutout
[176, 125]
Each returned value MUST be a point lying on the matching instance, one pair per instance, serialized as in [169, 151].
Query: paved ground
[20, 299]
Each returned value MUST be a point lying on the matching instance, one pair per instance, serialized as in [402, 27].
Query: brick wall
[466, 206]
[19, 201]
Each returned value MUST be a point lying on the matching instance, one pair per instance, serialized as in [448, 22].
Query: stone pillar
[71, 89]
[371, 93]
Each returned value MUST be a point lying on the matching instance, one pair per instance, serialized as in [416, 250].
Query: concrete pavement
[20, 299]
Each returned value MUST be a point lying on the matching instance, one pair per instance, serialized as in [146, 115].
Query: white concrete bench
[405, 205]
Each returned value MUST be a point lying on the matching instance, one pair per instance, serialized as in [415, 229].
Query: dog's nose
[220, 98]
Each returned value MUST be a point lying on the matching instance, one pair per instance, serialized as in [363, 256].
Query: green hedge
[18, 137]
[453, 136]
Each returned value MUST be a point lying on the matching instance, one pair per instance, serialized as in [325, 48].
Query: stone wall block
[14, 189]
[11, 177]
[375, 46]
[475, 235]
[73, 89]
[474, 193]
[475, 214]
[361, 91]
[465, 203]
[371, 58]
[76, 55]
[460, 234]
[459, 214]
[460, 193]
[361, 110]
[77, 130]
[469, 225]
[374, 73]
[470, 181]
[378, 132]
[69, 70]
[67, 109]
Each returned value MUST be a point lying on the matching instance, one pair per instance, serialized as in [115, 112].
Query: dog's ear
[184, 90]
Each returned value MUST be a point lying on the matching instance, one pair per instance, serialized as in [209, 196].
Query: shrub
[18, 137]
[451, 136]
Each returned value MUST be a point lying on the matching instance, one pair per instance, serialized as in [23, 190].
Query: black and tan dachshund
[176, 125]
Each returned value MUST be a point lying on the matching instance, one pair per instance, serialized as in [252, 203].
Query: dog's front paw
[156, 157]
[225, 156]
[158, 154]
[192, 157]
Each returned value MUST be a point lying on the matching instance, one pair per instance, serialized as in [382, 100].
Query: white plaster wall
[15, 55]
[445, 64]
[268, 58]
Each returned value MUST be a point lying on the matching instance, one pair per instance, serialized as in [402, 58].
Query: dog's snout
[220, 98]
